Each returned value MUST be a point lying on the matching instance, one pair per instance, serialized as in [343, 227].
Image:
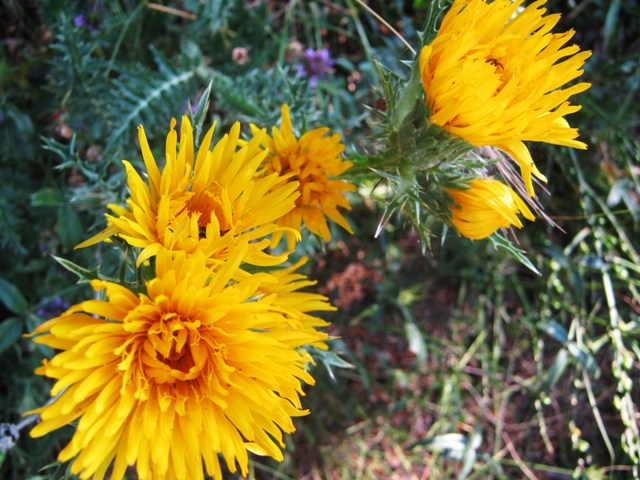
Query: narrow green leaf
[330, 360]
[84, 273]
[499, 241]
[555, 372]
[585, 359]
[369, 312]
[69, 227]
[470, 454]
[583, 356]
[12, 297]
[610, 22]
[417, 345]
[46, 197]
[201, 113]
[555, 330]
[10, 331]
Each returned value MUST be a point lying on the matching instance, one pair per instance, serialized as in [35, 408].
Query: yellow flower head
[168, 379]
[493, 76]
[207, 201]
[294, 304]
[311, 161]
[486, 206]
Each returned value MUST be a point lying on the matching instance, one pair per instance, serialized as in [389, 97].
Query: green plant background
[465, 364]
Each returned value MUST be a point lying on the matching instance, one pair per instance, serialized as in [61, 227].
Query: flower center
[496, 63]
[207, 203]
[168, 336]
[171, 351]
[499, 72]
[308, 174]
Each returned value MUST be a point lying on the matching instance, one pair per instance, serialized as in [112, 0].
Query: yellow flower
[294, 304]
[493, 76]
[167, 379]
[312, 161]
[486, 206]
[207, 202]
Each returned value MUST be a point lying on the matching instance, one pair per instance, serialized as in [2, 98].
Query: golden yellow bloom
[486, 206]
[493, 76]
[312, 161]
[205, 202]
[294, 304]
[168, 379]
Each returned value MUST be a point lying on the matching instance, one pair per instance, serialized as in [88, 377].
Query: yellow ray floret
[486, 206]
[312, 162]
[198, 366]
[207, 201]
[497, 76]
[285, 295]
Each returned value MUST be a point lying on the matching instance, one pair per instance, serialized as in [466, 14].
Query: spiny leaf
[498, 241]
[141, 101]
[84, 274]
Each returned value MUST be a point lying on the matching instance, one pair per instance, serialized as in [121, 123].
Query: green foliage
[465, 363]
[98, 78]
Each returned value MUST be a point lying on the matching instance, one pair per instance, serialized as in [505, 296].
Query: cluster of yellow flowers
[493, 76]
[209, 358]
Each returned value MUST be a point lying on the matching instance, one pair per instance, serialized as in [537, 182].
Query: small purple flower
[316, 64]
[185, 107]
[79, 20]
[2, 117]
[91, 17]
[52, 308]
